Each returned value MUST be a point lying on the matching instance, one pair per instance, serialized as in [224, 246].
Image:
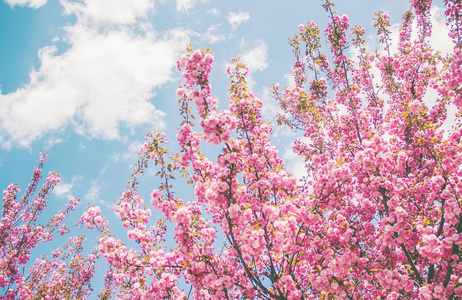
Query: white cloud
[51, 141]
[439, 39]
[185, 5]
[236, 19]
[104, 80]
[93, 193]
[289, 79]
[28, 3]
[213, 12]
[64, 189]
[295, 164]
[270, 106]
[108, 11]
[212, 35]
[131, 154]
[256, 59]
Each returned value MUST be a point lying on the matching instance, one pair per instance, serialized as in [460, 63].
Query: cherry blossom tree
[66, 272]
[377, 215]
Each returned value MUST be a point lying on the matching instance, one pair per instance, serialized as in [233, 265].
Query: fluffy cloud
[105, 79]
[28, 3]
[440, 39]
[256, 59]
[93, 195]
[108, 11]
[130, 155]
[295, 164]
[212, 35]
[270, 106]
[236, 19]
[94, 192]
[213, 12]
[64, 189]
[185, 5]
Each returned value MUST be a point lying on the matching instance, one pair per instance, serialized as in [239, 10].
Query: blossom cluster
[377, 215]
[67, 272]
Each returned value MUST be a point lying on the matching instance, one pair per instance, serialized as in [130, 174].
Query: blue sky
[86, 80]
